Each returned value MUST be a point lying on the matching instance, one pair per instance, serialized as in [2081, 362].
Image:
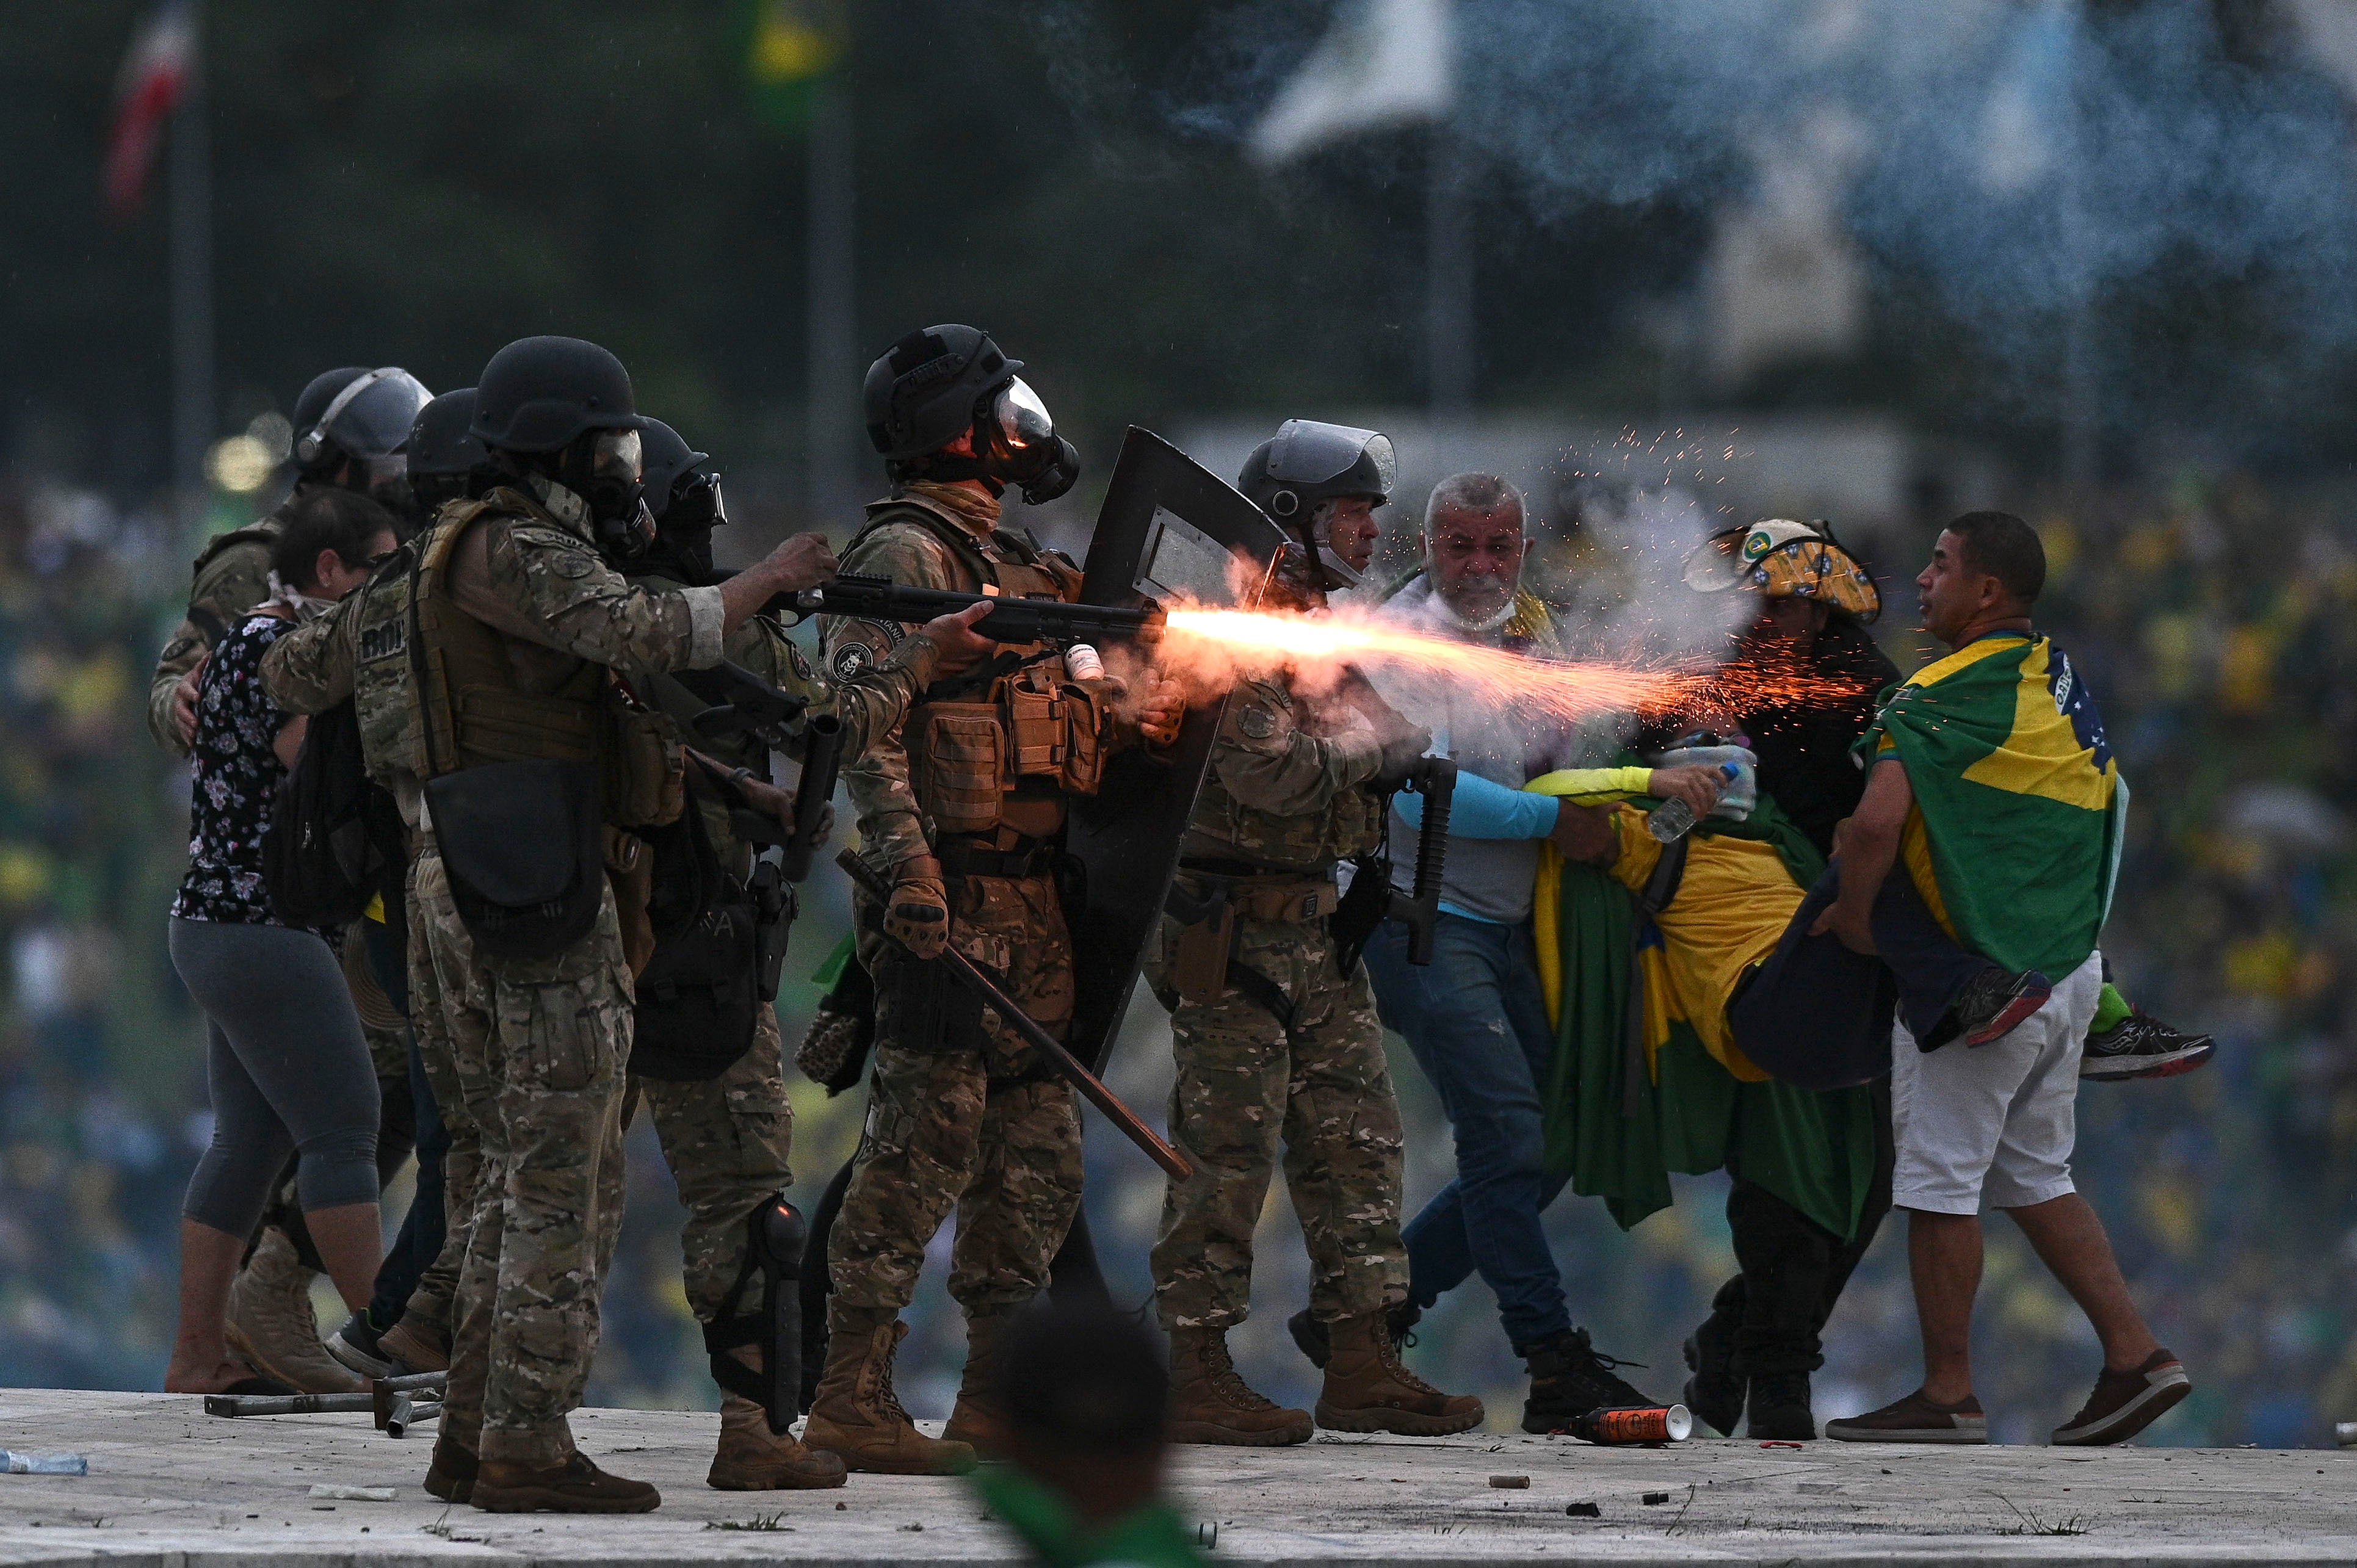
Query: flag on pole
[794, 45]
[154, 79]
[1382, 63]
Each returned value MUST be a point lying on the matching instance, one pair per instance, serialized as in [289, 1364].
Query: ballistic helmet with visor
[923, 392]
[1309, 461]
[367, 419]
[538, 394]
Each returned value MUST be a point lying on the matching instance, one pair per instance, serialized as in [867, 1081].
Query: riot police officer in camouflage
[707, 1059]
[1275, 1040]
[961, 810]
[484, 659]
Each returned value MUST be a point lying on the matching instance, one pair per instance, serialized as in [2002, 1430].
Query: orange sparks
[1215, 647]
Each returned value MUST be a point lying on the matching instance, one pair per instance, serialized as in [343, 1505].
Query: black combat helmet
[538, 394]
[669, 460]
[1309, 461]
[933, 386]
[443, 452]
[685, 500]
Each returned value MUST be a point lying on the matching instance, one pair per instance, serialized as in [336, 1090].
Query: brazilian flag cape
[2020, 808]
[1814, 1150]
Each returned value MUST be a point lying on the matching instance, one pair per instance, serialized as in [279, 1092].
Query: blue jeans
[1476, 1019]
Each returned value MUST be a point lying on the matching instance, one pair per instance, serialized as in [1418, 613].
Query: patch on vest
[1256, 721]
[850, 660]
[383, 640]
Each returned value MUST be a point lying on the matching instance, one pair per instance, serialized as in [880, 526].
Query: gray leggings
[288, 1067]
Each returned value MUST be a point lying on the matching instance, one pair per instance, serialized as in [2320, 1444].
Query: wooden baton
[1090, 1086]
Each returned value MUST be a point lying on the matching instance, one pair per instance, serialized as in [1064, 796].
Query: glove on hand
[1402, 751]
[919, 915]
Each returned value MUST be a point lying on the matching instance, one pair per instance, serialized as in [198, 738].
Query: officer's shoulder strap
[959, 542]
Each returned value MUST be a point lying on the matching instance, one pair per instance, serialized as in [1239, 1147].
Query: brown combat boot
[271, 1322]
[1367, 1390]
[1210, 1403]
[576, 1485]
[420, 1348]
[858, 1415]
[451, 1476]
[977, 1418]
[752, 1459]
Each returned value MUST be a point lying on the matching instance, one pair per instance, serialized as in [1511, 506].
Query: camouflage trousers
[964, 1117]
[539, 1049]
[1244, 1086]
[432, 1304]
[727, 1140]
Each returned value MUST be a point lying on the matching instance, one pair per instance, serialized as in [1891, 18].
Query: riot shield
[1168, 529]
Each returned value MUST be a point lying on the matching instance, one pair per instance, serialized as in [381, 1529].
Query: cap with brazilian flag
[792, 46]
[2020, 808]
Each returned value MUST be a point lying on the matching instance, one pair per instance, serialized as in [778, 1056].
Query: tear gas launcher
[1015, 619]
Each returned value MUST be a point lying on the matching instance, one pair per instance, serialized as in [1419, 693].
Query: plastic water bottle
[1673, 819]
[43, 1464]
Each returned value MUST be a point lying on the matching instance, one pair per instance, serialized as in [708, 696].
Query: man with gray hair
[1476, 1017]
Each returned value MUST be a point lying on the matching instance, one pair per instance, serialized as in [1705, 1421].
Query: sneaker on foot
[2125, 1403]
[1915, 1420]
[1992, 1003]
[2141, 1046]
[355, 1346]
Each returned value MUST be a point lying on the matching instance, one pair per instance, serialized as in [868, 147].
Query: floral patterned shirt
[237, 777]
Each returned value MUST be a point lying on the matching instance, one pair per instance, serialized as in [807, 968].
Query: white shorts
[1994, 1122]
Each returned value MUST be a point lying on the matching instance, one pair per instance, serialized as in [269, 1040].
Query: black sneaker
[2141, 1046]
[1715, 1393]
[1311, 1337]
[355, 1346]
[1994, 1003]
[1780, 1409]
[1569, 1377]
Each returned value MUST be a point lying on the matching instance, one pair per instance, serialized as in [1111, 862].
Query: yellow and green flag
[2019, 806]
[792, 45]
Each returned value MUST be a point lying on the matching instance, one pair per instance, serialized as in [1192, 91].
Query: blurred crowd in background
[2212, 616]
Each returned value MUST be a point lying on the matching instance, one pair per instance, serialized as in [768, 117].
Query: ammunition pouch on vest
[1017, 724]
[518, 784]
[523, 843]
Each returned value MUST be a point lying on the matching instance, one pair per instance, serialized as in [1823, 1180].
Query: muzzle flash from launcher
[1013, 619]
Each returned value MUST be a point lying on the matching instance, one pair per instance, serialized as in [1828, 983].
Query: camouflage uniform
[727, 1139]
[962, 1112]
[538, 1047]
[232, 576]
[1285, 802]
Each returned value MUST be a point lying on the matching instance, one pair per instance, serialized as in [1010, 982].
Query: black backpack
[335, 835]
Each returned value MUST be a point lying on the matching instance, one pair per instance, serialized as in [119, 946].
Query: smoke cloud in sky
[2017, 157]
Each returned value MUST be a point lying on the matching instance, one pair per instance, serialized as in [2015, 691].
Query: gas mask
[684, 530]
[1016, 443]
[606, 468]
